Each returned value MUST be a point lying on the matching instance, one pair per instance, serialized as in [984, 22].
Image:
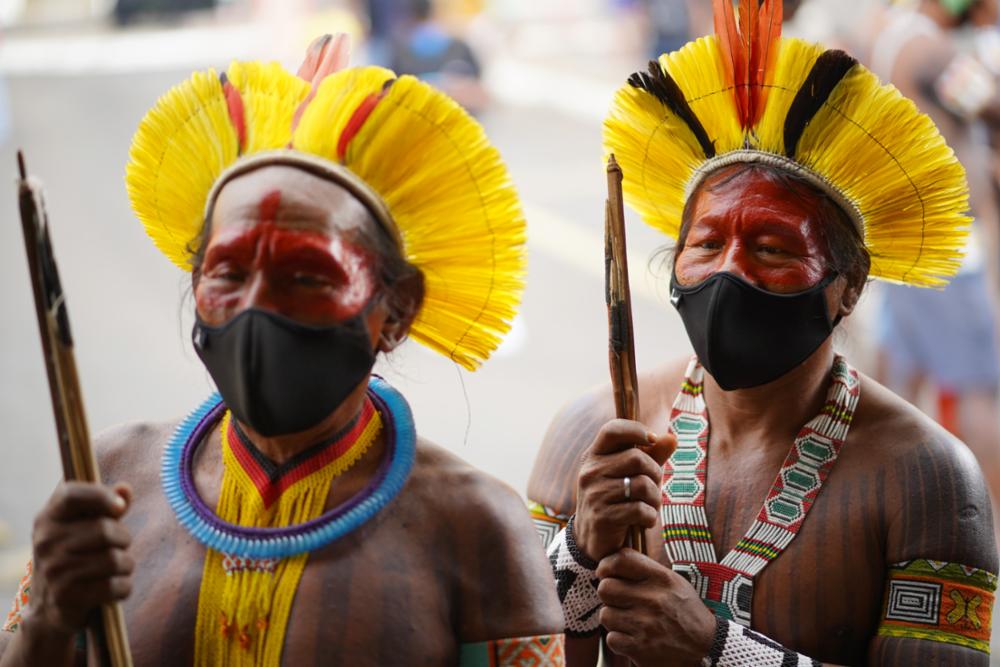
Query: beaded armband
[938, 601]
[737, 646]
[548, 522]
[13, 621]
[541, 650]
[576, 583]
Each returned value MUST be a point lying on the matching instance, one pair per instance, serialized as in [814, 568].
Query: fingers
[631, 463]
[620, 434]
[95, 535]
[630, 565]
[75, 500]
[661, 447]
[621, 515]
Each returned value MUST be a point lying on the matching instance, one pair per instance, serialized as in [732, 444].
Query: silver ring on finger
[628, 488]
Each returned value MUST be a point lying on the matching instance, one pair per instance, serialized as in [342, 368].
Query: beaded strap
[726, 586]
[737, 646]
[576, 583]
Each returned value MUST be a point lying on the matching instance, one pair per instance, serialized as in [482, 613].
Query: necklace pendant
[727, 592]
[235, 564]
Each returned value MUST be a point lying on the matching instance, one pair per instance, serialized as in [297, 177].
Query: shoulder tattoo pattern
[13, 621]
[540, 651]
[939, 601]
[548, 522]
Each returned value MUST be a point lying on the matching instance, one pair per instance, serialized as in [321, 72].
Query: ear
[403, 302]
[849, 297]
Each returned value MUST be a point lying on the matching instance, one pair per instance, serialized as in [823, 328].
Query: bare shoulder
[573, 429]
[501, 575]
[131, 452]
[457, 489]
[939, 503]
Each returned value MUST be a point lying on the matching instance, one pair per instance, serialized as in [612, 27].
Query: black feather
[662, 86]
[828, 71]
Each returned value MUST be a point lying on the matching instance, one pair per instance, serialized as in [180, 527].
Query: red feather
[733, 51]
[764, 54]
[749, 50]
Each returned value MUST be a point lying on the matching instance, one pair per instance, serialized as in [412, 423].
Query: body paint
[304, 274]
[757, 229]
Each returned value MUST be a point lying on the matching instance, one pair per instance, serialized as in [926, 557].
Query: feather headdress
[746, 94]
[420, 163]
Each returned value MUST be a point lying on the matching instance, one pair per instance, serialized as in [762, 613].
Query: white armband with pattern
[737, 646]
[576, 583]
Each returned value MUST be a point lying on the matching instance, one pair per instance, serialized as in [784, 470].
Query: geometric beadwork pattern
[576, 585]
[539, 651]
[13, 621]
[913, 601]
[738, 646]
[939, 601]
[547, 522]
[686, 534]
[725, 591]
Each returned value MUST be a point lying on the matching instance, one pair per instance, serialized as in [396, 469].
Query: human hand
[622, 450]
[80, 556]
[653, 616]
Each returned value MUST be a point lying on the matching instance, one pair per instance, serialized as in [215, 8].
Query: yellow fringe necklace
[243, 604]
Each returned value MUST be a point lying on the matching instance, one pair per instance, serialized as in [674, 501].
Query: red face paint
[306, 275]
[756, 229]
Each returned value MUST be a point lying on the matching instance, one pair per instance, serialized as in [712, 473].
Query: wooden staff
[618, 296]
[106, 631]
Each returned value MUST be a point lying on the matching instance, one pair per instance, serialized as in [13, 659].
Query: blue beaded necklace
[177, 479]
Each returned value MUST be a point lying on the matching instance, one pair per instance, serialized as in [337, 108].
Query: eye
[770, 250]
[708, 245]
[310, 280]
[227, 272]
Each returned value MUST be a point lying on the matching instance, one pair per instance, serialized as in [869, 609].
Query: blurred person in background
[947, 341]
[795, 511]
[296, 517]
[429, 50]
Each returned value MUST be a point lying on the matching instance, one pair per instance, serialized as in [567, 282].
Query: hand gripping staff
[618, 296]
[106, 633]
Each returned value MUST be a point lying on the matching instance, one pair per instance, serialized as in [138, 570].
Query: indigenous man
[796, 511]
[297, 519]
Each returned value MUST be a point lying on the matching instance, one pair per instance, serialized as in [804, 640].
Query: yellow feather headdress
[419, 162]
[746, 94]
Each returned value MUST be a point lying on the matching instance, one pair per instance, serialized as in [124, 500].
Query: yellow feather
[444, 184]
[457, 210]
[891, 161]
[868, 141]
[181, 146]
[270, 97]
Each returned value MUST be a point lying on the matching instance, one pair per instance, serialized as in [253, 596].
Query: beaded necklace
[727, 586]
[269, 518]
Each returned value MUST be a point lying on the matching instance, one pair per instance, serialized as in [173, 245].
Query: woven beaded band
[737, 646]
[576, 583]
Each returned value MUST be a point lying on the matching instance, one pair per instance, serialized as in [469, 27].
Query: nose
[258, 293]
[735, 260]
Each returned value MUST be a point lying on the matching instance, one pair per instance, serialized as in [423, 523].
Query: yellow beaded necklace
[243, 604]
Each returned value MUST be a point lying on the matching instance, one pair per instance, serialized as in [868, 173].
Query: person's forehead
[753, 194]
[295, 198]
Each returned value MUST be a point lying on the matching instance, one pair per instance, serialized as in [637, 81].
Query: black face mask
[745, 336]
[279, 376]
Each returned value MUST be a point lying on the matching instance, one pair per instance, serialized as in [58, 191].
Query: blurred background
[77, 75]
